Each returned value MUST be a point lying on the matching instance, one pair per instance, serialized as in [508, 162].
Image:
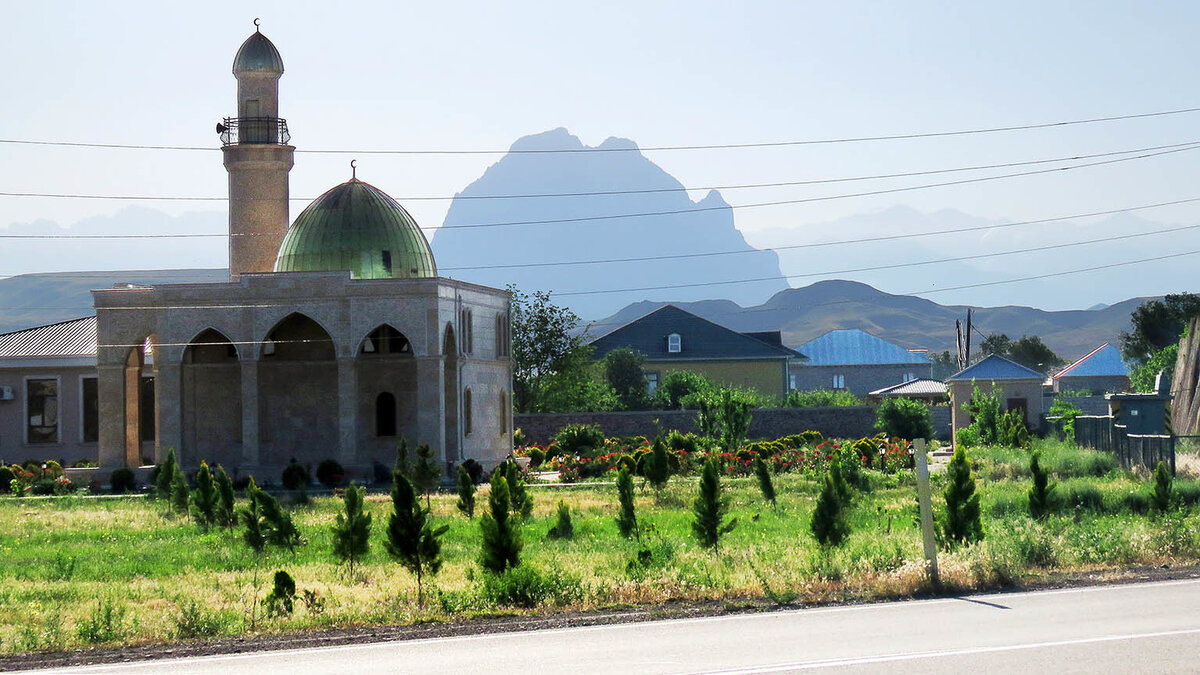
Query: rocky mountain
[465, 251]
[916, 323]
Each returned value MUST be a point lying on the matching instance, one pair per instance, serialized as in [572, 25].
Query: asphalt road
[1134, 628]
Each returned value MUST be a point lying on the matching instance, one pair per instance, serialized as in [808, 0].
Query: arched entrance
[387, 393]
[297, 393]
[211, 414]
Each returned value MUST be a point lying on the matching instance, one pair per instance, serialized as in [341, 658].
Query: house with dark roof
[1101, 371]
[921, 389]
[672, 339]
[856, 361]
[1018, 387]
[48, 394]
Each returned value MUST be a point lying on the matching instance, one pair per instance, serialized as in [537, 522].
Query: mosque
[333, 338]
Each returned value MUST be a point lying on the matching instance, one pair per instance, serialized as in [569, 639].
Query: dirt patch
[508, 624]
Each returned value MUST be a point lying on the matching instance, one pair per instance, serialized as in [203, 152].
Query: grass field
[76, 571]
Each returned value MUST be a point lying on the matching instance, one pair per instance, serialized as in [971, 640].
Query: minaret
[258, 158]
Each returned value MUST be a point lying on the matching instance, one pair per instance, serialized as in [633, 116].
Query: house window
[909, 377]
[839, 381]
[41, 411]
[90, 400]
[467, 412]
[674, 343]
[385, 415]
[651, 381]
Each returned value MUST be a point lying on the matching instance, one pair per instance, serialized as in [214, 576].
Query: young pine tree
[963, 524]
[829, 524]
[563, 527]
[501, 539]
[522, 501]
[180, 495]
[1041, 495]
[764, 480]
[279, 528]
[710, 508]
[225, 515]
[205, 499]
[658, 466]
[466, 493]
[425, 472]
[626, 519]
[1163, 496]
[410, 538]
[255, 534]
[164, 476]
[352, 529]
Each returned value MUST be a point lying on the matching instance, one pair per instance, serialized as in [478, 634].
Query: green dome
[358, 228]
[257, 54]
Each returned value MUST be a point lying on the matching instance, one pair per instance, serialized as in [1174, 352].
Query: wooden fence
[1101, 433]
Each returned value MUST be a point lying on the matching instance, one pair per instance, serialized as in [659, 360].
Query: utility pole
[958, 351]
[967, 359]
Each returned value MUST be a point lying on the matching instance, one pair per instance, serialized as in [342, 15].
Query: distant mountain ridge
[588, 227]
[802, 314]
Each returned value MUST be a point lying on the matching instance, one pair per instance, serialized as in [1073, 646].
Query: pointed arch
[298, 337]
[210, 346]
[385, 341]
[449, 342]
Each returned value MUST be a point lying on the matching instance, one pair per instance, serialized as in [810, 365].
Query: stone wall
[833, 422]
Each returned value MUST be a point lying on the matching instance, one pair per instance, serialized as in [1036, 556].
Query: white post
[926, 505]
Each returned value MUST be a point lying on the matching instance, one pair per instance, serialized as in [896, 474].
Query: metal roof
[699, 339]
[257, 54]
[997, 368]
[1103, 361]
[921, 386]
[358, 228]
[76, 337]
[853, 347]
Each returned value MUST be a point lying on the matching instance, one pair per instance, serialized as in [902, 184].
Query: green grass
[77, 571]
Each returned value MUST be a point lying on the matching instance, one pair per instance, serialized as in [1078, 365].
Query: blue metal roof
[1103, 361]
[853, 347]
[997, 368]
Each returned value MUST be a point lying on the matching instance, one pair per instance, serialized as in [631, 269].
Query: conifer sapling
[626, 519]
[962, 524]
[829, 523]
[1041, 495]
[352, 529]
[501, 539]
[411, 540]
[225, 515]
[710, 508]
[522, 501]
[205, 499]
[563, 527]
[466, 492]
[1163, 496]
[764, 480]
[180, 495]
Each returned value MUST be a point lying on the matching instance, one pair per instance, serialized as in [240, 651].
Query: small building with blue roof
[1102, 371]
[1017, 387]
[856, 361]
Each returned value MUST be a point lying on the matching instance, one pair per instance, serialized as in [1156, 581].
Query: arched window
[467, 411]
[503, 412]
[385, 415]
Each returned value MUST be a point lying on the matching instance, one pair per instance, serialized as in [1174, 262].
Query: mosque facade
[333, 338]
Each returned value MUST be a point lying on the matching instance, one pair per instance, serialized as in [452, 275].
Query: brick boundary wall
[770, 423]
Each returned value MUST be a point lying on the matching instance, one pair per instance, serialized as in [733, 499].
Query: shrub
[967, 437]
[180, 495]
[205, 499]
[474, 469]
[962, 523]
[802, 439]
[536, 457]
[226, 516]
[1086, 497]
[522, 501]
[627, 519]
[519, 439]
[904, 418]
[106, 624]
[7, 476]
[330, 472]
[1066, 412]
[829, 524]
[501, 540]
[580, 439]
[657, 468]
[466, 492]
[281, 600]
[164, 475]
[764, 480]
[563, 527]
[527, 587]
[121, 481]
[1162, 498]
[352, 529]
[1041, 495]
[295, 476]
[710, 508]
[820, 398]
[194, 621]
[678, 385]
[677, 440]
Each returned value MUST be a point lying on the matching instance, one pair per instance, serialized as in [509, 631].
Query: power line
[581, 219]
[714, 146]
[746, 186]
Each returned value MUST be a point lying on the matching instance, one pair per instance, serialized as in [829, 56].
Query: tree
[522, 501]
[963, 524]
[255, 534]
[996, 343]
[180, 495]
[545, 341]
[657, 470]
[1041, 495]
[279, 528]
[626, 519]
[764, 480]
[944, 365]
[466, 492]
[1163, 496]
[623, 372]
[677, 385]
[352, 529]
[164, 475]
[501, 539]
[735, 418]
[1030, 352]
[205, 499]
[829, 524]
[1158, 324]
[708, 416]
[904, 418]
[710, 508]
[563, 527]
[225, 516]
[1142, 377]
[411, 540]
[425, 472]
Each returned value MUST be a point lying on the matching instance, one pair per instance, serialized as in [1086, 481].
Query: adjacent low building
[858, 362]
[1101, 371]
[1017, 387]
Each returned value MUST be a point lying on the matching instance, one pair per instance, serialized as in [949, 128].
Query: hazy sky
[476, 76]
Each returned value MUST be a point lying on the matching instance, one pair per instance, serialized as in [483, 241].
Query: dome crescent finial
[256, 28]
[353, 169]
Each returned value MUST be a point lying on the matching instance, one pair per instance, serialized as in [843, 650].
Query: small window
[91, 410]
[41, 408]
[465, 320]
[791, 382]
[387, 263]
[651, 381]
[385, 415]
[839, 381]
[909, 377]
[146, 409]
[503, 412]
[467, 412]
[502, 338]
[674, 343]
